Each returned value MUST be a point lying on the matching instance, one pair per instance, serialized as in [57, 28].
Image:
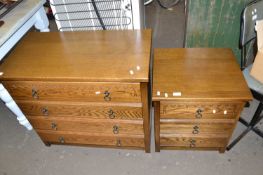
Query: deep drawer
[91, 139]
[74, 91]
[84, 110]
[192, 142]
[195, 128]
[107, 126]
[199, 110]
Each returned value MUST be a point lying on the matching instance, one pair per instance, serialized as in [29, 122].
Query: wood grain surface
[83, 88]
[82, 138]
[88, 125]
[81, 56]
[74, 91]
[198, 73]
[201, 92]
[210, 110]
[146, 116]
[125, 111]
[196, 128]
[193, 142]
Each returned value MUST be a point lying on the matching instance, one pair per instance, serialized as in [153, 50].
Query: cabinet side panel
[146, 116]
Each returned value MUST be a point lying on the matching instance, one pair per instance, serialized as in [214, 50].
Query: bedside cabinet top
[115, 56]
[198, 74]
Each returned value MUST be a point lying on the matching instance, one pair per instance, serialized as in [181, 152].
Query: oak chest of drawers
[198, 95]
[83, 88]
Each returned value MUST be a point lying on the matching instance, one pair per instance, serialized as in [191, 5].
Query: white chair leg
[42, 22]
[10, 103]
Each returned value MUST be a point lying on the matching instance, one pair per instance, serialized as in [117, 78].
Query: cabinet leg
[47, 144]
[157, 125]
[222, 150]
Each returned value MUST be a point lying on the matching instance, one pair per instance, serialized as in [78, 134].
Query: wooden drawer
[94, 139]
[129, 111]
[195, 128]
[199, 110]
[107, 126]
[192, 142]
[74, 91]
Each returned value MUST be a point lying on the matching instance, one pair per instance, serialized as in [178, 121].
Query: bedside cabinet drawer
[125, 111]
[195, 128]
[112, 127]
[81, 138]
[192, 142]
[74, 91]
[199, 110]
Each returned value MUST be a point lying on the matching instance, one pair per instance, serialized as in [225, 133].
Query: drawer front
[196, 110]
[196, 128]
[82, 110]
[193, 142]
[91, 139]
[74, 91]
[113, 127]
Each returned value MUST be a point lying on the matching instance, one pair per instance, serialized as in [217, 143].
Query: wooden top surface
[80, 56]
[199, 74]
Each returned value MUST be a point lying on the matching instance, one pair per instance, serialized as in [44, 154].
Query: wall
[214, 23]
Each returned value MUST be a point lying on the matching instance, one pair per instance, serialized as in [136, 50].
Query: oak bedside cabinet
[83, 88]
[198, 95]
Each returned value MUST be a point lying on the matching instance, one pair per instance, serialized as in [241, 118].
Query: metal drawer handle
[107, 96]
[111, 114]
[61, 140]
[35, 94]
[116, 129]
[198, 113]
[44, 111]
[54, 126]
[196, 130]
[192, 143]
[118, 143]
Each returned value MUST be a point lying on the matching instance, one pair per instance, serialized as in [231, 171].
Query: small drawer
[195, 128]
[113, 127]
[74, 91]
[81, 138]
[193, 142]
[199, 110]
[126, 111]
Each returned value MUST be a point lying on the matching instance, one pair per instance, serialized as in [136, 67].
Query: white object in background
[73, 15]
[138, 14]
[131, 72]
[10, 103]
[41, 22]
[148, 2]
[177, 94]
[17, 22]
